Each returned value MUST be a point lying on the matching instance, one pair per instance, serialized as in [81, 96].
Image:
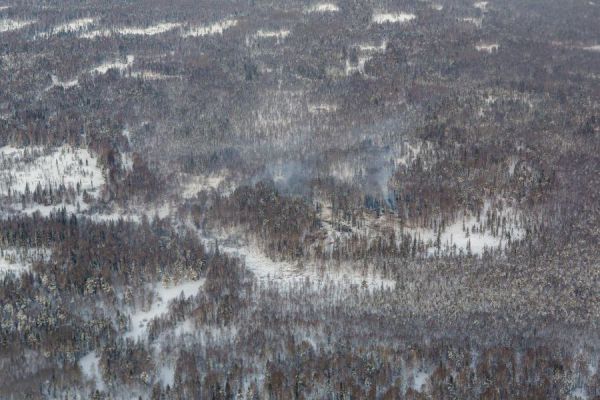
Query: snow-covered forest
[275, 199]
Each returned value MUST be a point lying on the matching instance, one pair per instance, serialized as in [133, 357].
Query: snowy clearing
[470, 235]
[192, 184]
[73, 26]
[7, 25]
[63, 84]
[288, 274]
[277, 35]
[149, 31]
[153, 76]
[482, 5]
[25, 168]
[90, 367]
[18, 260]
[322, 108]
[118, 65]
[96, 33]
[592, 48]
[216, 28]
[365, 53]
[419, 380]
[488, 48]
[579, 394]
[392, 18]
[475, 21]
[164, 295]
[496, 227]
[323, 8]
[152, 30]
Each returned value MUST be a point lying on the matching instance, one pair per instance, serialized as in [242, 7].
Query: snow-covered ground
[488, 47]
[150, 30]
[90, 367]
[164, 294]
[96, 33]
[322, 108]
[26, 167]
[578, 394]
[152, 75]
[286, 274]
[323, 8]
[22, 169]
[117, 64]
[262, 34]
[192, 184]
[482, 5]
[419, 380]
[76, 25]
[63, 84]
[216, 28]
[466, 234]
[592, 48]
[392, 18]
[17, 261]
[7, 25]
[365, 53]
[475, 21]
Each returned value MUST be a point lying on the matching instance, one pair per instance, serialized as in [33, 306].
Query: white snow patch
[420, 379]
[322, 108]
[482, 5]
[475, 21]
[164, 295]
[287, 274]
[365, 53]
[90, 367]
[153, 76]
[592, 48]
[470, 236]
[216, 28]
[30, 166]
[277, 35]
[166, 374]
[96, 33]
[73, 26]
[63, 84]
[437, 7]
[149, 31]
[392, 18]
[16, 261]
[579, 394]
[323, 8]
[2, 8]
[7, 25]
[488, 48]
[192, 184]
[118, 65]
